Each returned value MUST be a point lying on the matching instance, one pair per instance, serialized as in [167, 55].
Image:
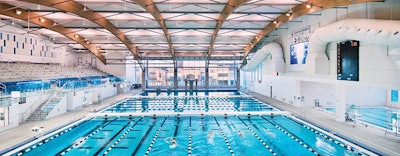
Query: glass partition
[160, 74]
[222, 74]
[196, 68]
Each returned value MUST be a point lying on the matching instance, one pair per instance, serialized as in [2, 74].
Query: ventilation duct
[273, 49]
[370, 31]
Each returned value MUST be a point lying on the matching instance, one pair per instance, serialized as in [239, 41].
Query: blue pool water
[190, 93]
[194, 135]
[376, 116]
[189, 104]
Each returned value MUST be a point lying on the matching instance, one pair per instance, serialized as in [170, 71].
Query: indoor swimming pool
[373, 115]
[232, 103]
[191, 135]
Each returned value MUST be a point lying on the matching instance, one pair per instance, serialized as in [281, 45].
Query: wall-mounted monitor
[298, 53]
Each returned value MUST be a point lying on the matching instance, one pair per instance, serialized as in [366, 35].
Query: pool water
[374, 115]
[194, 135]
[189, 104]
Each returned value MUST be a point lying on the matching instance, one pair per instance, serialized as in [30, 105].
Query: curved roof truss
[10, 10]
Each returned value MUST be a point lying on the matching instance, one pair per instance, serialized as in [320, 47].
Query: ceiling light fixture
[76, 36]
[309, 5]
[275, 22]
[54, 23]
[18, 12]
[290, 11]
[42, 20]
[84, 7]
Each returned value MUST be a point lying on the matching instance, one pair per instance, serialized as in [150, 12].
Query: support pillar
[175, 78]
[144, 81]
[238, 78]
[207, 79]
[340, 103]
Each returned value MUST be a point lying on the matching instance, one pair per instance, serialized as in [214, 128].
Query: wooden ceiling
[161, 28]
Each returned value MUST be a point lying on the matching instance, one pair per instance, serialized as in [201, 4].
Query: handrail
[30, 110]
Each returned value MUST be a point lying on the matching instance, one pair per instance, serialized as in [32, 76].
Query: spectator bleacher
[26, 76]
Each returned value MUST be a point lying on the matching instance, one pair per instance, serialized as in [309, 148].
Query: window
[17, 44]
[15, 50]
[31, 40]
[1, 49]
[1, 35]
[4, 43]
[259, 73]
[14, 37]
[31, 52]
[23, 45]
[1, 116]
[8, 37]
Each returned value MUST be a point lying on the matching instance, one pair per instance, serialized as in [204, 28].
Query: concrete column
[340, 103]
[175, 78]
[207, 79]
[238, 78]
[144, 82]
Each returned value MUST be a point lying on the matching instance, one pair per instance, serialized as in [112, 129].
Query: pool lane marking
[152, 141]
[224, 136]
[112, 138]
[177, 126]
[294, 137]
[121, 137]
[258, 137]
[325, 136]
[86, 136]
[42, 142]
[190, 137]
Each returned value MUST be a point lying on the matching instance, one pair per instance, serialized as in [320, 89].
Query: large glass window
[160, 74]
[222, 74]
[196, 68]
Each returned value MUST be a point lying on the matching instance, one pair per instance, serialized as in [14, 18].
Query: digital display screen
[298, 53]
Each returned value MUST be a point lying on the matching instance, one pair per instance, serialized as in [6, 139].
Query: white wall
[41, 49]
[379, 64]
[324, 92]
[365, 96]
[59, 109]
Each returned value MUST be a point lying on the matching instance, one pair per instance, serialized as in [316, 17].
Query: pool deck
[369, 136]
[23, 131]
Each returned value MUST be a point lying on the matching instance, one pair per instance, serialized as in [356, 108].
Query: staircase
[45, 108]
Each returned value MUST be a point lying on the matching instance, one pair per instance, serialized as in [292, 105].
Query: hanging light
[309, 5]
[290, 11]
[275, 22]
[18, 12]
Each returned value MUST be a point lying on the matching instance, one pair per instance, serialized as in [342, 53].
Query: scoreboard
[348, 60]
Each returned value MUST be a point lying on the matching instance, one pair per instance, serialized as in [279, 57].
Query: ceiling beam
[150, 28]
[11, 11]
[228, 9]
[299, 10]
[85, 12]
[151, 8]
[169, 12]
